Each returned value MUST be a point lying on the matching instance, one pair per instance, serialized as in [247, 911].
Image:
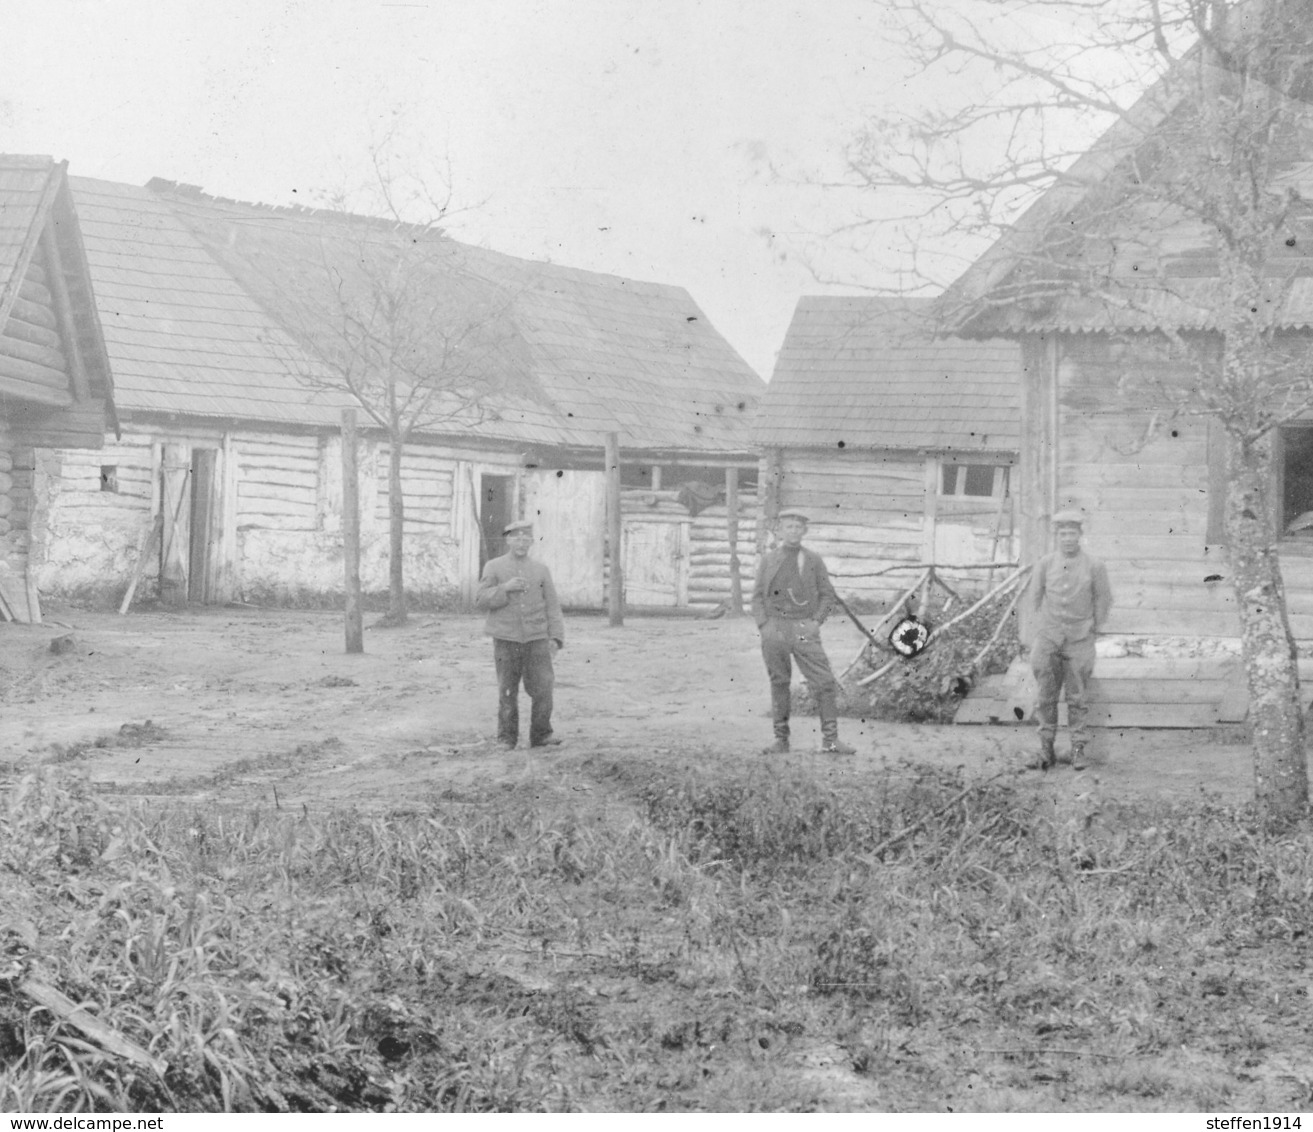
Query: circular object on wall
[910, 636]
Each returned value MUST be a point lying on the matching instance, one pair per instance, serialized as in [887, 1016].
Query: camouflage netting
[930, 686]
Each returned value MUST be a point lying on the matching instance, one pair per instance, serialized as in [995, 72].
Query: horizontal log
[1168, 669]
[35, 314]
[43, 394]
[1079, 448]
[1177, 623]
[1151, 691]
[276, 481]
[268, 465]
[1107, 474]
[258, 506]
[33, 372]
[899, 467]
[31, 332]
[1170, 548]
[35, 291]
[285, 442]
[32, 352]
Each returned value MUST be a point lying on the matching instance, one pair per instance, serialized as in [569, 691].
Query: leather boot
[830, 742]
[781, 744]
[1047, 757]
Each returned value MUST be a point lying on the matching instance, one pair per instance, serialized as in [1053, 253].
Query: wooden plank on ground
[14, 595]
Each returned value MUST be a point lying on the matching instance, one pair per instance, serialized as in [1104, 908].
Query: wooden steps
[1129, 692]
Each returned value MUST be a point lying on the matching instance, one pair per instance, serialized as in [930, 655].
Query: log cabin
[900, 443]
[1111, 290]
[214, 320]
[56, 386]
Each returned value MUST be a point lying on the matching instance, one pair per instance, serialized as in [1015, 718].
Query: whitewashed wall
[283, 506]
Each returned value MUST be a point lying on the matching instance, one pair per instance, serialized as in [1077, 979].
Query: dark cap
[518, 525]
[791, 514]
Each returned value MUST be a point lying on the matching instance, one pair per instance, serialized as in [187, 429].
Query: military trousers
[1059, 663]
[784, 642]
[530, 662]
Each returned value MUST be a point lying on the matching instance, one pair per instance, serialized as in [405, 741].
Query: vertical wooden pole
[772, 481]
[732, 530]
[615, 593]
[355, 638]
[930, 507]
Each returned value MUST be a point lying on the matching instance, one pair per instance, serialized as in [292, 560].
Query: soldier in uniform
[527, 630]
[792, 596]
[1071, 601]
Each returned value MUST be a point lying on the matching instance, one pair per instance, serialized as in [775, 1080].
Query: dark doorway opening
[496, 509]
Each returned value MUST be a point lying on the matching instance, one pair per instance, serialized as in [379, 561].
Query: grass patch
[669, 940]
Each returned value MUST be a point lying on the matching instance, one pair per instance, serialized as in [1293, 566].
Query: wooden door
[175, 495]
[655, 558]
[206, 526]
[568, 510]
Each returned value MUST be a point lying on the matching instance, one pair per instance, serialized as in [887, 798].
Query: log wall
[871, 510]
[1144, 486]
[708, 575]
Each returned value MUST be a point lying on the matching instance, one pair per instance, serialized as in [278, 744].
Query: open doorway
[496, 509]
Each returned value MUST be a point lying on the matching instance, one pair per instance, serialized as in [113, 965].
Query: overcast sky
[626, 136]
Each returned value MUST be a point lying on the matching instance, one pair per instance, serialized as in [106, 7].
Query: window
[1296, 464]
[109, 477]
[980, 481]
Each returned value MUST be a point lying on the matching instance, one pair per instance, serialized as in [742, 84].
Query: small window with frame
[109, 477]
[973, 481]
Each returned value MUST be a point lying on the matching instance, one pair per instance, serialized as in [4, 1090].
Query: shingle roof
[208, 313]
[872, 373]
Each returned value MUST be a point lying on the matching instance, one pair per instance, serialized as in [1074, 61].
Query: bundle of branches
[967, 640]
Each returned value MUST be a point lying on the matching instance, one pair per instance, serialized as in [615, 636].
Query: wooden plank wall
[709, 551]
[1143, 483]
[869, 511]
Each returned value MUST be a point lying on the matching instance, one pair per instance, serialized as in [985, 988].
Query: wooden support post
[355, 639]
[732, 528]
[615, 592]
[772, 482]
[930, 507]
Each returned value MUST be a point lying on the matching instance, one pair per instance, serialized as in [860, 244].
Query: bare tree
[414, 326]
[1204, 110]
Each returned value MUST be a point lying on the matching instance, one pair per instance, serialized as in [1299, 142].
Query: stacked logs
[709, 579]
[31, 361]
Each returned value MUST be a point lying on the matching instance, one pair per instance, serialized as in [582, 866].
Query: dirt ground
[264, 705]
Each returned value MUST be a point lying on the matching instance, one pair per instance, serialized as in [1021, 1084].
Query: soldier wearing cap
[791, 597]
[1071, 601]
[527, 629]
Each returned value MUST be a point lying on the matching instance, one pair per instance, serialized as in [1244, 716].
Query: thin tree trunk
[396, 613]
[1280, 769]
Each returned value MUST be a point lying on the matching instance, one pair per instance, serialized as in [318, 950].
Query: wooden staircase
[1129, 691]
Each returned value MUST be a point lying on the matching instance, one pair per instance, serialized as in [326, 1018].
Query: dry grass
[634, 937]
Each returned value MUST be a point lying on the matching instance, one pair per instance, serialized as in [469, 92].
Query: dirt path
[254, 704]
